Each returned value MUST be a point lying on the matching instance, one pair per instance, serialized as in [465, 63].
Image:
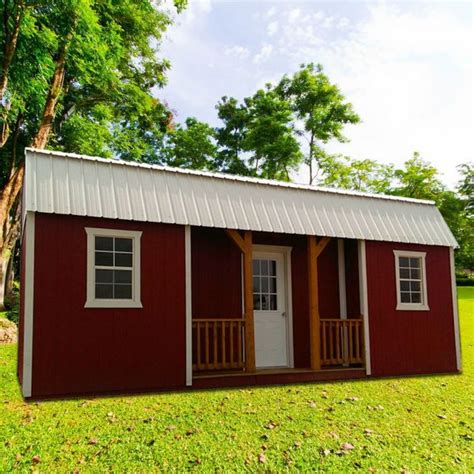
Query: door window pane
[265, 285]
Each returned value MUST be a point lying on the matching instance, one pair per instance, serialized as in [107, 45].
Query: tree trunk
[310, 159]
[54, 92]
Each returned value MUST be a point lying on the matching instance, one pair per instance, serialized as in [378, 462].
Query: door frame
[285, 251]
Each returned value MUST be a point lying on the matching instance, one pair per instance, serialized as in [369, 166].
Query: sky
[407, 68]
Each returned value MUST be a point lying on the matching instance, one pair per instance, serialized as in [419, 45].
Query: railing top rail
[218, 320]
[341, 320]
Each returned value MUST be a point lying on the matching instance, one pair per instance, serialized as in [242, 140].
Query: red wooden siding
[352, 278]
[216, 274]
[80, 350]
[409, 342]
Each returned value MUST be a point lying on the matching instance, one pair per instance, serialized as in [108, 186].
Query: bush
[464, 282]
[12, 304]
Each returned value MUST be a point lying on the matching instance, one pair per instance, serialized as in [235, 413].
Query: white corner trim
[457, 338]
[28, 304]
[91, 301]
[423, 306]
[189, 307]
[364, 302]
[289, 305]
[341, 265]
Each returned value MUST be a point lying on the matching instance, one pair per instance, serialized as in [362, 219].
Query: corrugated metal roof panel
[79, 185]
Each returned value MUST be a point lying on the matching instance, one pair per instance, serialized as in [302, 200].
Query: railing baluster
[206, 342]
[239, 344]
[223, 345]
[231, 328]
[198, 344]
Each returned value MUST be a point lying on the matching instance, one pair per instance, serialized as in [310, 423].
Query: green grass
[419, 423]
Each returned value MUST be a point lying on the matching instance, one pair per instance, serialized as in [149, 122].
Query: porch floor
[275, 376]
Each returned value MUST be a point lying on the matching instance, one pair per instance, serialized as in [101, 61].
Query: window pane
[104, 291]
[264, 284]
[415, 274]
[123, 276]
[273, 302]
[256, 302]
[415, 286]
[265, 303]
[273, 285]
[256, 267]
[123, 259]
[415, 262]
[104, 276]
[404, 286]
[416, 297]
[404, 273]
[272, 268]
[403, 262]
[104, 259]
[123, 292]
[123, 245]
[405, 297]
[264, 267]
[256, 284]
[104, 243]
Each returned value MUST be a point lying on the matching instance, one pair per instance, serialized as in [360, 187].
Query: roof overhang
[79, 185]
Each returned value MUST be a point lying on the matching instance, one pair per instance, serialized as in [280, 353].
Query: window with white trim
[411, 280]
[113, 268]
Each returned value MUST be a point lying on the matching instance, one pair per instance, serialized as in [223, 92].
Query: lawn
[411, 424]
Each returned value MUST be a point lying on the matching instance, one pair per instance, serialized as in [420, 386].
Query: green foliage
[391, 427]
[272, 147]
[12, 304]
[358, 175]
[190, 146]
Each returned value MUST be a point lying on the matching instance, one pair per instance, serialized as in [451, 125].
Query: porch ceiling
[79, 185]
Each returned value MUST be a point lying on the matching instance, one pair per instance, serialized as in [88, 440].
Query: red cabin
[144, 278]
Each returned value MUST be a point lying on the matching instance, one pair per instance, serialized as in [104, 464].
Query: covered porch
[275, 308]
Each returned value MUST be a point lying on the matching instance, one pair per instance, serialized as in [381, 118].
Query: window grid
[113, 257]
[265, 285]
[411, 279]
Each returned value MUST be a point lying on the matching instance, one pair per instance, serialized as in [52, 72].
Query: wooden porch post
[314, 250]
[245, 245]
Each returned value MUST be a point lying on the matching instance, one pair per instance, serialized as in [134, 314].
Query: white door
[270, 314]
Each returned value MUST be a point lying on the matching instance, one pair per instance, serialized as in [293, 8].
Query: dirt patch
[8, 332]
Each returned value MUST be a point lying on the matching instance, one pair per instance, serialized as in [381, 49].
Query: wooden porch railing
[218, 344]
[342, 342]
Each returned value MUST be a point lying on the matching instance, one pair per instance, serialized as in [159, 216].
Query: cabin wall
[82, 350]
[409, 342]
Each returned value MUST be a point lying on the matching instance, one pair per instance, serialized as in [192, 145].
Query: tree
[320, 107]
[358, 175]
[465, 226]
[269, 139]
[231, 136]
[418, 179]
[79, 74]
[190, 146]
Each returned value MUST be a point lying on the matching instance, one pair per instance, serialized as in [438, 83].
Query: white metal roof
[64, 183]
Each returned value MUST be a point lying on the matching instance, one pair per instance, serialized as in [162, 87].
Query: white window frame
[92, 301]
[423, 306]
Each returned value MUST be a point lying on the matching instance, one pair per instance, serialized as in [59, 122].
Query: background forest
[84, 76]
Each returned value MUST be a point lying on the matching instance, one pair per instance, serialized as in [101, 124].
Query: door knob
[283, 314]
